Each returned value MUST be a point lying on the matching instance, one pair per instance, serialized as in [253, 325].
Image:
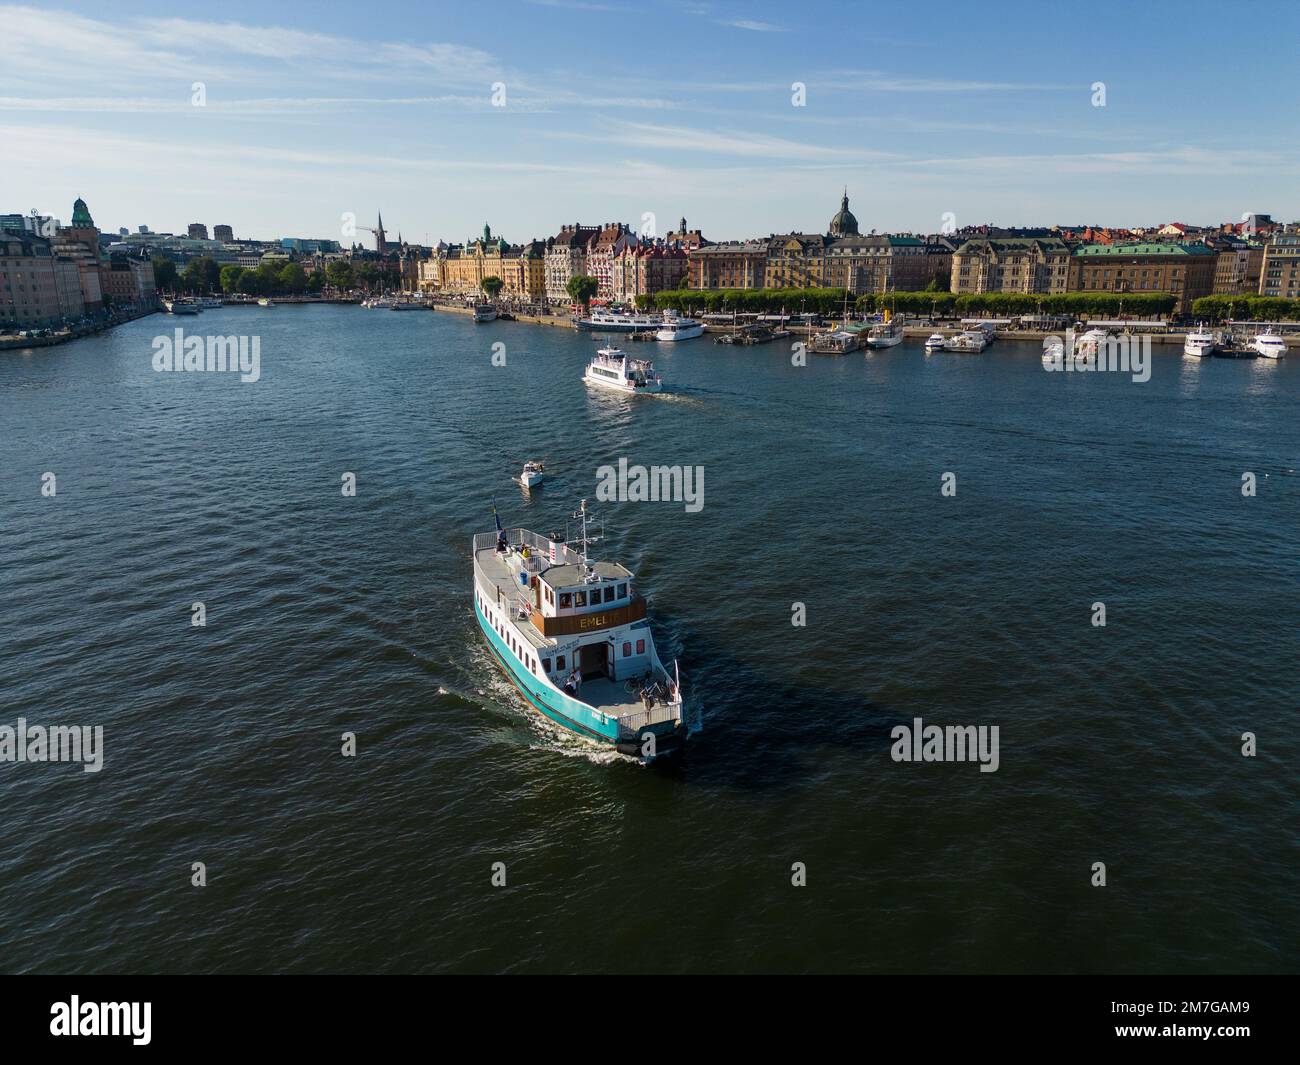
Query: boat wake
[493, 688]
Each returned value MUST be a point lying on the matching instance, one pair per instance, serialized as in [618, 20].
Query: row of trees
[1246, 308]
[202, 276]
[830, 301]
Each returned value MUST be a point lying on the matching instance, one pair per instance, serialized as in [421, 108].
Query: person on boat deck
[501, 540]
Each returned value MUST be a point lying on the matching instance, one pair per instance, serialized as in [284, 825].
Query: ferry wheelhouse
[611, 368]
[574, 637]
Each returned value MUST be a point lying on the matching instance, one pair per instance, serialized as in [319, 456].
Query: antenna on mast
[583, 517]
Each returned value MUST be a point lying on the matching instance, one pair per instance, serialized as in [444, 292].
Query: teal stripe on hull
[570, 713]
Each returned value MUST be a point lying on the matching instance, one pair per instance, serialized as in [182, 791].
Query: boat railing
[639, 719]
[539, 548]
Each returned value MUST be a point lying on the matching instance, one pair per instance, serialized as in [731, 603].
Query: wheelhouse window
[627, 648]
[640, 647]
[566, 600]
[559, 663]
[546, 665]
[622, 591]
[579, 598]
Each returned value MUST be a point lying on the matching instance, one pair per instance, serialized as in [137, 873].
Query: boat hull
[577, 717]
[627, 390]
[689, 333]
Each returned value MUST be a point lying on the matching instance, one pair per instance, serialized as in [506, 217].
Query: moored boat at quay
[485, 312]
[614, 322]
[1200, 343]
[885, 335]
[836, 342]
[1268, 345]
[574, 638]
[182, 306]
[967, 342]
[672, 327]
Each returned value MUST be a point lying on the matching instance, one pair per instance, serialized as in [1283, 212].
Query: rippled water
[329, 614]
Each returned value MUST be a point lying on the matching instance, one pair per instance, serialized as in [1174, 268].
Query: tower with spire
[381, 245]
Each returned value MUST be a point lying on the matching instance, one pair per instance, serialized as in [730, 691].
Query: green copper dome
[81, 215]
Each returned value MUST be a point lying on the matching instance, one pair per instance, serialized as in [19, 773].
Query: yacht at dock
[574, 638]
[1199, 343]
[1268, 345]
[673, 327]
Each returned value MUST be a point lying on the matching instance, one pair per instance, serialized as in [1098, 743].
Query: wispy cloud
[751, 24]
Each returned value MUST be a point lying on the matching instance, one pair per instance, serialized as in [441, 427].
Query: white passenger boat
[1268, 345]
[935, 342]
[210, 303]
[1200, 343]
[533, 474]
[181, 307]
[573, 636]
[264, 302]
[967, 342]
[485, 312]
[613, 322]
[611, 368]
[673, 327]
[409, 305]
[885, 335]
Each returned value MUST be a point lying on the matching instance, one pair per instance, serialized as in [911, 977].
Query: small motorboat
[533, 474]
[936, 342]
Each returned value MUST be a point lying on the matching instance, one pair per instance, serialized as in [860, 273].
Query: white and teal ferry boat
[573, 636]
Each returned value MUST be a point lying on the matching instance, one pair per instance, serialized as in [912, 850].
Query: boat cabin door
[594, 660]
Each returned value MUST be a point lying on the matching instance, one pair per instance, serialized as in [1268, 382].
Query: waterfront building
[796, 260]
[887, 263]
[37, 288]
[566, 258]
[1184, 269]
[461, 269]
[734, 264]
[1237, 266]
[79, 243]
[612, 239]
[1011, 264]
[197, 231]
[1280, 270]
[643, 269]
[686, 238]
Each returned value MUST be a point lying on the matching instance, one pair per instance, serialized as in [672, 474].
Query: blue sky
[615, 110]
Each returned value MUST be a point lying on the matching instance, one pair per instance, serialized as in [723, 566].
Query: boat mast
[583, 540]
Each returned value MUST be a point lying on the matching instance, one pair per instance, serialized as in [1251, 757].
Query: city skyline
[306, 116]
